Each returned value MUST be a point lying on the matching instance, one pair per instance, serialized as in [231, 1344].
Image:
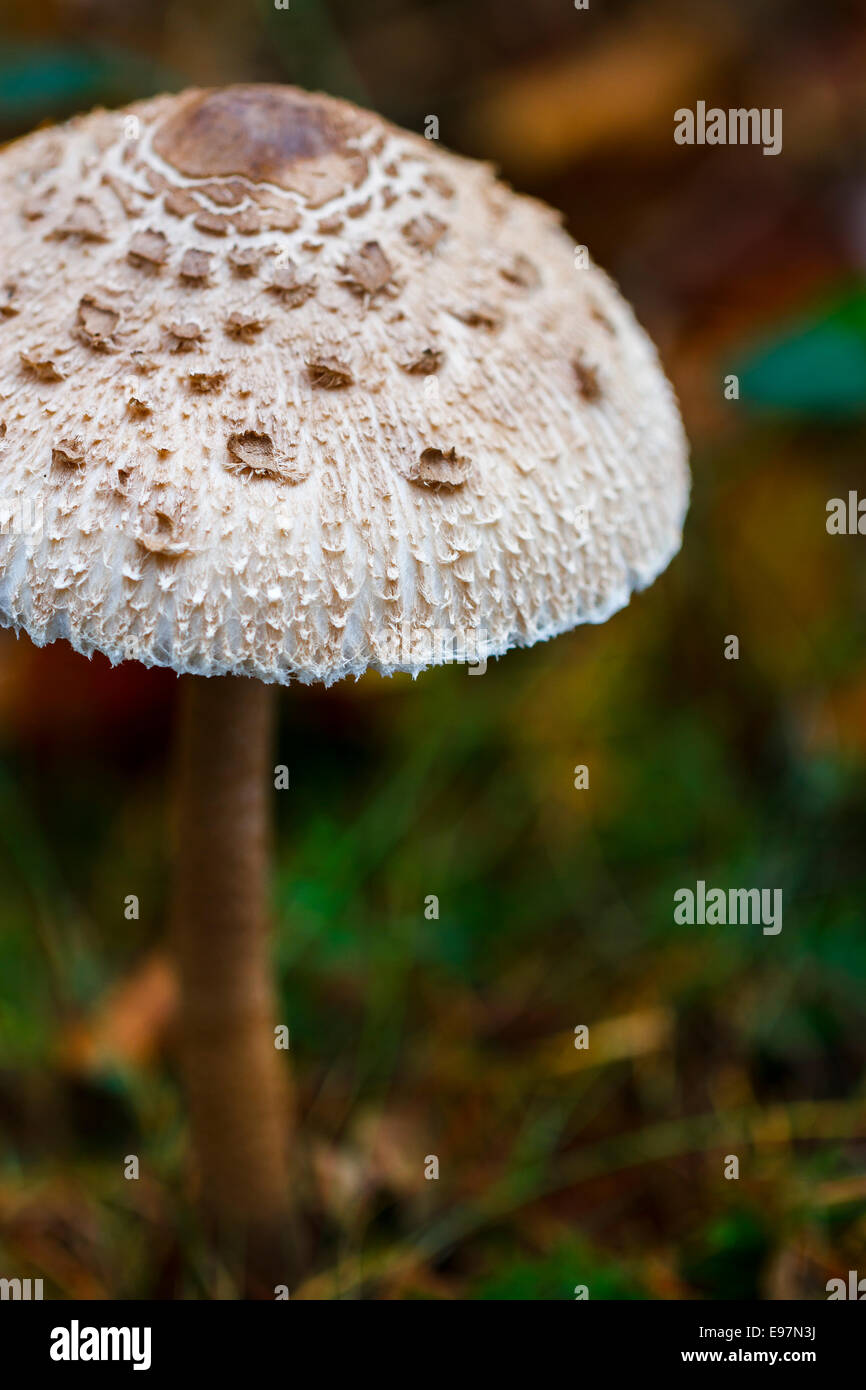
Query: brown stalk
[236, 1086]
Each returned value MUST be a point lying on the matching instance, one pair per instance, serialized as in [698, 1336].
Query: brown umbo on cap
[290, 393]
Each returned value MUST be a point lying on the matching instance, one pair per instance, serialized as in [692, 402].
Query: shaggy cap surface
[290, 393]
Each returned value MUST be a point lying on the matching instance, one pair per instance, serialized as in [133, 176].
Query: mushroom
[427, 431]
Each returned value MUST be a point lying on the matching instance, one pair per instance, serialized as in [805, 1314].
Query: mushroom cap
[288, 392]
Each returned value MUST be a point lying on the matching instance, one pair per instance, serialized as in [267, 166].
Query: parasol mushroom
[298, 395]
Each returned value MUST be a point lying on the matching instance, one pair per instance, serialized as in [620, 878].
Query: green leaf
[816, 370]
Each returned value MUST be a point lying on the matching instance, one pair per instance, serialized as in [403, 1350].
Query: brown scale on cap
[292, 291]
[247, 222]
[244, 325]
[266, 134]
[253, 454]
[601, 317]
[429, 360]
[588, 383]
[204, 383]
[485, 316]
[85, 221]
[368, 271]
[440, 185]
[97, 323]
[125, 194]
[440, 468]
[138, 408]
[68, 453]
[162, 545]
[212, 223]
[38, 206]
[44, 367]
[273, 208]
[184, 336]
[180, 203]
[245, 260]
[227, 195]
[195, 266]
[160, 533]
[424, 232]
[148, 250]
[9, 302]
[329, 373]
[522, 272]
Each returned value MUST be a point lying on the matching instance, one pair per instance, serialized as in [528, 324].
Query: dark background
[455, 1037]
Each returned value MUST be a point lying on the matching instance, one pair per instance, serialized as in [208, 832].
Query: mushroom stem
[237, 1090]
